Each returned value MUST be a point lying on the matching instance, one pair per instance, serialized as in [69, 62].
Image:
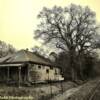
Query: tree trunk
[81, 73]
[72, 65]
[81, 64]
[74, 75]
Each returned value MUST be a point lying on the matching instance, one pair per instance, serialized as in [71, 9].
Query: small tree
[6, 49]
[70, 29]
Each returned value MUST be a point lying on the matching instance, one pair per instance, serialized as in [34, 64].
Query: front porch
[14, 74]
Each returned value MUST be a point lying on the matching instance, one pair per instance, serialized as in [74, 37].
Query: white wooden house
[25, 66]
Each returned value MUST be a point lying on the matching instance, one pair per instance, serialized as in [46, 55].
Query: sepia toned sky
[18, 18]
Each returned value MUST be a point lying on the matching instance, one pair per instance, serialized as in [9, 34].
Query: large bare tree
[70, 29]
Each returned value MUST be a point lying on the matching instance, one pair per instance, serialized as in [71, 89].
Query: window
[39, 66]
[55, 72]
[51, 68]
[47, 70]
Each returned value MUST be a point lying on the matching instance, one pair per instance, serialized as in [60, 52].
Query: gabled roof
[25, 56]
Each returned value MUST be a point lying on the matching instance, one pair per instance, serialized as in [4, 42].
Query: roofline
[50, 65]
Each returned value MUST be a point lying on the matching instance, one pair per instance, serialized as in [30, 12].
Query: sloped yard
[87, 91]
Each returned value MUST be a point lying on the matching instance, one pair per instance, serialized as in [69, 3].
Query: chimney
[27, 49]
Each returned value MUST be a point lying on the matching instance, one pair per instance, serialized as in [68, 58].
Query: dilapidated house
[27, 67]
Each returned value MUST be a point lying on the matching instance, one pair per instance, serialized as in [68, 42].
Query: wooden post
[8, 74]
[50, 87]
[28, 76]
[19, 76]
[61, 87]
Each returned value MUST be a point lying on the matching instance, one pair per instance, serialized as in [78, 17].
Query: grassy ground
[35, 92]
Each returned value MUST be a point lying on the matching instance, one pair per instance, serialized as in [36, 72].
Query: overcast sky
[18, 18]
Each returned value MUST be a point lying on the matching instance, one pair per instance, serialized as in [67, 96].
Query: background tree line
[6, 49]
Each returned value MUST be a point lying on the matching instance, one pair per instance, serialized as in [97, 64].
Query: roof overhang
[10, 65]
[21, 63]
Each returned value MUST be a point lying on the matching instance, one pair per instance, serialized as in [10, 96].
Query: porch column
[19, 76]
[28, 76]
[8, 74]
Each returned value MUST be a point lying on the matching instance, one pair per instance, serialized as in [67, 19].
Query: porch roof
[10, 65]
[25, 56]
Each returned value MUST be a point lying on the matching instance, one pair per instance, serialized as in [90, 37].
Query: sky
[18, 19]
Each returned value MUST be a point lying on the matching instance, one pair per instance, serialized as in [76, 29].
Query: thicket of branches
[89, 64]
[71, 29]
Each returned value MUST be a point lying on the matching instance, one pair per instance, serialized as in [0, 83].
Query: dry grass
[82, 92]
[40, 92]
